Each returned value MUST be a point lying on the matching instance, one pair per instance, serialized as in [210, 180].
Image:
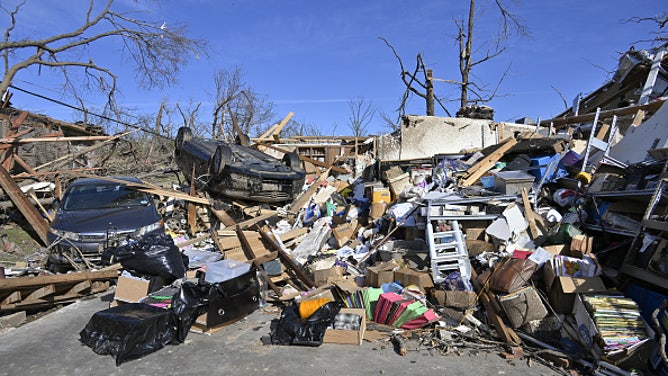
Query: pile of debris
[550, 243]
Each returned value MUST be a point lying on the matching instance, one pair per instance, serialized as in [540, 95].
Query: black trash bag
[190, 302]
[154, 255]
[292, 330]
[129, 331]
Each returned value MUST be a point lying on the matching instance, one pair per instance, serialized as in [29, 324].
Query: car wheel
[292, 160]
[220, 159]
[184, 134]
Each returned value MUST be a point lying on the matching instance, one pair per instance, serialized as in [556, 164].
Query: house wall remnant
[651, 134]
[426, 136]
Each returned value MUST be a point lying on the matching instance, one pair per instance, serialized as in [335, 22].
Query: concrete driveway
[51, 346]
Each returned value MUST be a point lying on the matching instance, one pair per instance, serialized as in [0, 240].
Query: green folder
[370, 296]
[413, 311]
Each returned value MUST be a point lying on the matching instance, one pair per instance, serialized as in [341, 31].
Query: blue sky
[312, 57]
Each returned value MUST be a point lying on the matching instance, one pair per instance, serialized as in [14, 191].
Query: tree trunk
[430, 93]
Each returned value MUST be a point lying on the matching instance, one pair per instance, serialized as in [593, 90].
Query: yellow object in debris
[584, 177]
[307, 308]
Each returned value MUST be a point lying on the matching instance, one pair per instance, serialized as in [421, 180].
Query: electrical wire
[91, 113]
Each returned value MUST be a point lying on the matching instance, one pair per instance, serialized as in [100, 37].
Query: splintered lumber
[529, 214]
[38, 223]
[566, 121]
[250, 255]
[507, 334]
[302, 200]
[44, 291]
[287, 260]
[479, 169]
[223, 217]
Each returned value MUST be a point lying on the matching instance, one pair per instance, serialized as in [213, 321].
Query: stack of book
[617, 320]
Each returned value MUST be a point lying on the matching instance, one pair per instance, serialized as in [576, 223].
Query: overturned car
[237, 171]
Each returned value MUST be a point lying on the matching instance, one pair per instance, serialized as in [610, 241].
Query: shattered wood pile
[48, 290]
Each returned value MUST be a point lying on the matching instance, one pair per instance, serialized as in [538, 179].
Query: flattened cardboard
[131, 290]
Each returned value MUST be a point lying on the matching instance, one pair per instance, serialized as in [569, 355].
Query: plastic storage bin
[542, 164]
[224, 270]
[512, 182]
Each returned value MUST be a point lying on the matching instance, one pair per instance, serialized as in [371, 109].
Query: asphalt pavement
[50, 345]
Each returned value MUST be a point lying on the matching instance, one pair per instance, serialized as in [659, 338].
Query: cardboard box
[380, 274]
[587, 330]
[381, 195]
[564, 290]
[344, 232]
[131, 290]
[377, 209]
[322, 276]
[455, 299]
[409, 277]
[349, 337]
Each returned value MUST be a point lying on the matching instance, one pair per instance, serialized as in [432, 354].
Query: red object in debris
[522, 254]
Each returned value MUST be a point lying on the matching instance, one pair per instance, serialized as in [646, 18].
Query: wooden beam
[287, 260]
[13, 283]
[29, 140]
[529, 214]
[305, 196]
[564, 122]
[79, 288]
[507, 334]
[282, 124]
[40, 293]
[38, 223]
[479, 169]
[84, 151]
[223, 217]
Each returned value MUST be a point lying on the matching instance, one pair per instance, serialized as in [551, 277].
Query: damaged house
[548, 236]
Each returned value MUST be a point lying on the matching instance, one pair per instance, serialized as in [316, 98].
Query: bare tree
[661, 35]
[233, 95]
[420, 77]
[157, 50]
[361, 114]
[468, 61]
[421, 81]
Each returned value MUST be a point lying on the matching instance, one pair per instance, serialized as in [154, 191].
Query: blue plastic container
[542, 163]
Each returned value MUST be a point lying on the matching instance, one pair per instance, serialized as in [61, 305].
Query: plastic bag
[129, 331]
[190, 302]
[154, 255]
[292, 330]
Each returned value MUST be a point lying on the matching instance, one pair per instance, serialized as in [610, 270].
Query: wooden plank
[12, 298]
[480, 168]
[13, 283]
[302, 200]
[566, 121]
[294, 233]
[79, 288]
[287, 260]
[40, 293]
[507, 334]
[248, 251]
[223, 217]
[529, 214]
[38, 223]
[193, 241]
[250, 222]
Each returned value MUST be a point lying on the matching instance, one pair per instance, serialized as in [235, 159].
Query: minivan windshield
[103, 195]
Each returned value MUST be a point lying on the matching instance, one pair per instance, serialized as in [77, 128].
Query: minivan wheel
[221, 157]
[183, 135]
[292, 160]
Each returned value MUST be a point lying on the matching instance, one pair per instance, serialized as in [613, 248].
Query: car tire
[183, 135]
[292, 160]
[221, 157]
